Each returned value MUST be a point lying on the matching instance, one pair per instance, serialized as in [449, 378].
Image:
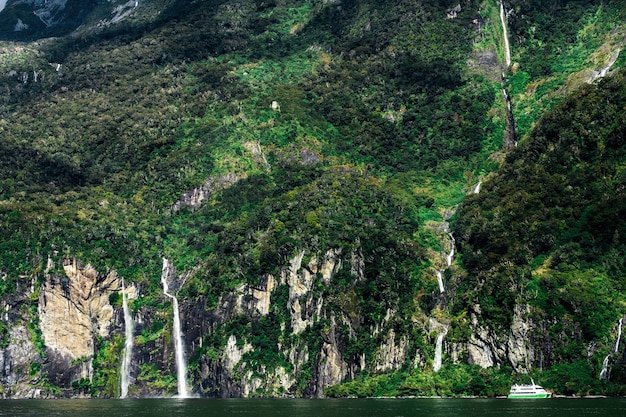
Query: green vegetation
[548, 231]
[314, 127]
[556, 47]
[459, 381]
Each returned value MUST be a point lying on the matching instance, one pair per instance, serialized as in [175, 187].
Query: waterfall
[619, 333]
[128, 345]
[604, 374]
[449, 259]
[609, 64]
[181, 367]
[450, 256]
[476, 189]
[439, 349]
[440, 280]
[505, 35]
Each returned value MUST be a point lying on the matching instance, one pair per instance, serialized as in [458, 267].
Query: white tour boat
[528, 391]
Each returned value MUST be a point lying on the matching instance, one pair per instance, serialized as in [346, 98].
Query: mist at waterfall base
[435, 407]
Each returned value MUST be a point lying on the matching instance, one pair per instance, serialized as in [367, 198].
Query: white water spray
[449, 259]
[476, 189]
[609, 64]
[619, 333]
[128, 345]
[181, 367]
[450, 256]
[505, 35]
[439, 350]
[604, 373]
[440, 281]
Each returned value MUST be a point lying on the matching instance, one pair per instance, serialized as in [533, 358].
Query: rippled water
[311, 408]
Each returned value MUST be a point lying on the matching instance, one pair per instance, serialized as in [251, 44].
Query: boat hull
[530, 396]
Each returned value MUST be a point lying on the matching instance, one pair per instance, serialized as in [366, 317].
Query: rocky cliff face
[74, 310]
[30, 19]
[231, 375]
[53, 329]
[76, 317]
[17, 362]
[312, 341]
[20, 359]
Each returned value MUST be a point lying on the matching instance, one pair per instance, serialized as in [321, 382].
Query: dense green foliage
[130, 121]
[352, 128]
[549, 229]
[556, 46]
[461, 381]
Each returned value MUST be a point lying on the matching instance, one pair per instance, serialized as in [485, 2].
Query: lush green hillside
[234, 137]
[548, 228]
[556, 47]
[132, 118]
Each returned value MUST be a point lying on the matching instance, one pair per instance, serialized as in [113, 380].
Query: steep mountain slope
[547, 233]
[288, 171]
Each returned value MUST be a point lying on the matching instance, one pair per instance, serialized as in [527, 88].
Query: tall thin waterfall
[619, 333]
[181, 367]
[128, 345]
[440, 281]
[439, 350]
[450, 256]
[505, 35]
[476, 189]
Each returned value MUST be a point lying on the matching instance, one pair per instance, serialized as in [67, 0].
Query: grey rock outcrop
[16, 362]
[195, 197]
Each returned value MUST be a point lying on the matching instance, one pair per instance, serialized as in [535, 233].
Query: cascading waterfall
[619, 333]
[441, 328]
[505, 35]
[440, 281]
[604, 373]
[476, 189]
[450, 256]
[449, 259]
[439, 350]
[509, 134]
[604, 71]
[181, 367]
[128, 345]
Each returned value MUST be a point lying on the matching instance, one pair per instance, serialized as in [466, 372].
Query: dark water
[314, 408]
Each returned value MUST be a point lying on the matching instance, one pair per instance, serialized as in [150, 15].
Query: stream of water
[181, 366]
[128, 345]
[439, 350]
[505, 35]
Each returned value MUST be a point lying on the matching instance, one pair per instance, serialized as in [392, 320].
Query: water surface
[314, 408]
